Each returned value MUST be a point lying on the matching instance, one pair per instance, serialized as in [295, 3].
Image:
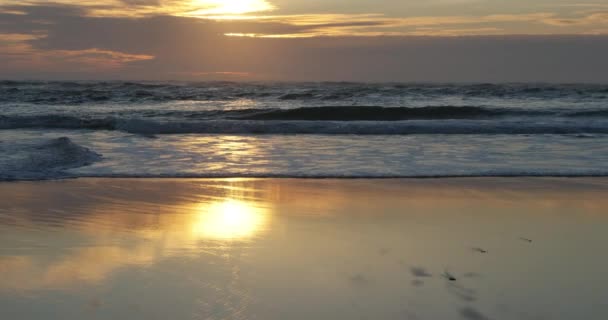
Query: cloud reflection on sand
[301, 249]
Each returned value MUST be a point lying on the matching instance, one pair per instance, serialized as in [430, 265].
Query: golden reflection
[174, 232]
[185, 224]
[97, 228]
[229, 219]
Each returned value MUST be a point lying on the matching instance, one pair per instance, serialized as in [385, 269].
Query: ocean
[55, 130]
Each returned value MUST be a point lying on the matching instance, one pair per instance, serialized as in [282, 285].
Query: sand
[484, 248]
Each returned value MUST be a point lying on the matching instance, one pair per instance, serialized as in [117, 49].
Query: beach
[303, 160]
[459, 248]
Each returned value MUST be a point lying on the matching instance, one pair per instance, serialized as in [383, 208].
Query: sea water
[223, 129]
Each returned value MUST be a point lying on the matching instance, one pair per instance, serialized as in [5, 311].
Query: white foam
[40, 154]
[46, 160]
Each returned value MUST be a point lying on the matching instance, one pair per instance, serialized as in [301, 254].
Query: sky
[306, 40]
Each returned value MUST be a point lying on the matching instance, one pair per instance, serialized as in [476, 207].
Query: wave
[373, 113]
[77, 93]
[326, 120]
[339, 113]
[589, 114]
[56, 122]
[378, 113]
[359, 128]
[47, 160]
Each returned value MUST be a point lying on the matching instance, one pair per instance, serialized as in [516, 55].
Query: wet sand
[475, 248]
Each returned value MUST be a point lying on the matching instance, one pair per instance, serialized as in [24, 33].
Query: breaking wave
[47, 160]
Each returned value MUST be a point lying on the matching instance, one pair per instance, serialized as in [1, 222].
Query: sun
[228, 7]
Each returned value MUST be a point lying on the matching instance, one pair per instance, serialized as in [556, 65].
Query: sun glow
[228, 7]
[184, 8]
[230, 219]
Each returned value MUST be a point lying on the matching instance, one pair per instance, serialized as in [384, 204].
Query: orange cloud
[381, 25]
[147, 8]
[596, 18]
[18, 37]
[329, 24]
[98, 57]
[18, 53]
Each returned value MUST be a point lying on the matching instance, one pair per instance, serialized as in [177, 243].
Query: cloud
[456, 32]
[65, 42]
[147, 8]
[594, 6]
[242, 18]
[381, 25]
[594, 19]
[12, 38]
[16, 52]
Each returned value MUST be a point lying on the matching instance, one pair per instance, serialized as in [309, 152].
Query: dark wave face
[363, 113]
[288, 127]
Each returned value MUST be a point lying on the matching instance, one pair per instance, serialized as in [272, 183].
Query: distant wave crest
[77, 93]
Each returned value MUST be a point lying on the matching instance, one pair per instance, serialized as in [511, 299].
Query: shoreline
[287, 177]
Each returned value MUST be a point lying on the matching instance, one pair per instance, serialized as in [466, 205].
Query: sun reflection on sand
[205, 224]
[230, 219]
[97, 228]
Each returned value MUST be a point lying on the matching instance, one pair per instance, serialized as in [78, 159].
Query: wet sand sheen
[487, 248]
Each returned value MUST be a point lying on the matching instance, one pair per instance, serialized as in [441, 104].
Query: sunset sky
[353, 40]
